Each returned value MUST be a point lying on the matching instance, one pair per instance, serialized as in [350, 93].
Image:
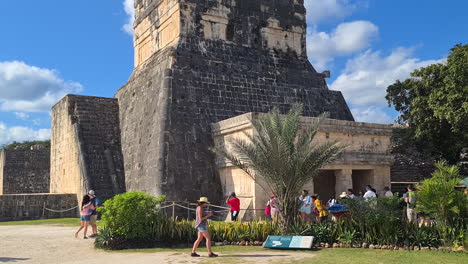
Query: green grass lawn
[55, 222]
[328, 256]
[59, 221]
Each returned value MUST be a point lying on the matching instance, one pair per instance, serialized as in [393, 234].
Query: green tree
[26, 145]
[433, 102]
[438, 195]
[281, 157]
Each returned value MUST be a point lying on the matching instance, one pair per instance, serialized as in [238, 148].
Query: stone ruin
[200, 66]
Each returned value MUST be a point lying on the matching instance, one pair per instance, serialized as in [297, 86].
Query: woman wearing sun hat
[202, 227]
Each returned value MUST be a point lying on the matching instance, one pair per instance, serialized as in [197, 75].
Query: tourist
[306, 205]
[93, 220]
[202, 226]
[86, 210]
[369, 193]
[331, 201]
[234, 203]
[319, 212]
[351, 193]
[344, 196]
[274, 210]
[387, 192]
[410, 200]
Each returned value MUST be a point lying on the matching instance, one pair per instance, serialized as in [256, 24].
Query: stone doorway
[324, 184]
[361, 178]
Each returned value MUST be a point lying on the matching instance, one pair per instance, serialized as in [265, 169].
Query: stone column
[381, 178]
[344, 181]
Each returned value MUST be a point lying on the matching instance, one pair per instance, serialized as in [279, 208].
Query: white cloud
[21, 115]
[319, 10]
[26, 88]
[130, 11]
[20, 134]
[346, 39]
[372, 114]
[365, 79]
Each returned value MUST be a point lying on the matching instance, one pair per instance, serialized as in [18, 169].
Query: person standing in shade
[410, 200]
[306, 206]
[369, 193]
[93, 220]
[387, 192]
[274, 210]
[234, 203]
[319, 212]
[351, 193]
[202, 227]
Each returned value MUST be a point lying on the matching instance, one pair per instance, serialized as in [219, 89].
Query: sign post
[289, 242]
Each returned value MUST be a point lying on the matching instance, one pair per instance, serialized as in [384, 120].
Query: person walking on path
[306, 206]
[410, 200]
[319, 212]
[202, 227]
[86, 210]
[274, 210]
[234, 203]
[93, 220]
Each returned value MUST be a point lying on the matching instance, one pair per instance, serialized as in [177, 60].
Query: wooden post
[173, 210]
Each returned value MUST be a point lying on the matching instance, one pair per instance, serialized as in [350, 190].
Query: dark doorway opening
[361, 178]
[324, 184]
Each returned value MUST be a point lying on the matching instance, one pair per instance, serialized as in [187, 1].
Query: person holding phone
[202, 226]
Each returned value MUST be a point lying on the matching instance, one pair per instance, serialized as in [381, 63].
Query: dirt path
[51, 244]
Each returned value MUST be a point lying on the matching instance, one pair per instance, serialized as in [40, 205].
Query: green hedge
[132, 220]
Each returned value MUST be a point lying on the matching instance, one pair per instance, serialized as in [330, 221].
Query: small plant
[347, 237]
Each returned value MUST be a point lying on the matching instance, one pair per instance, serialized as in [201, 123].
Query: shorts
[234, 215]
[93, 219]
[202, 228]
[411, 214]
[86, 218]
[306, 209]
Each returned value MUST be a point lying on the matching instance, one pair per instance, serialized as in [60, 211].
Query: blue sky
[49, 48]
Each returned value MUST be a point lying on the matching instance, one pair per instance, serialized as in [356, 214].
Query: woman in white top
[306, 206]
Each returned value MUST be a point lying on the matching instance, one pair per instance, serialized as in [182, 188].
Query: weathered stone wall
[366, 159]
[85, 147]
[32, 206]
[24, 171]
[229, 57]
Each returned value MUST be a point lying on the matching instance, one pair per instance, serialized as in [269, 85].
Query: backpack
[268, 210]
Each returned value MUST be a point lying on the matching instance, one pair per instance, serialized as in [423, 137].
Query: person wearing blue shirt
[96, 203]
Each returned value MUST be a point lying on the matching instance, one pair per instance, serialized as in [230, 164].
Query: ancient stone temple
[198, 62]
[366, 160]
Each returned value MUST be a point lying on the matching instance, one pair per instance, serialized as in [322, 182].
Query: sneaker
[93, 235]
[194, 255]
[85, 237]
[212, 255]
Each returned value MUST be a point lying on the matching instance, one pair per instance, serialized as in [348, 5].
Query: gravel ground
[55, 244]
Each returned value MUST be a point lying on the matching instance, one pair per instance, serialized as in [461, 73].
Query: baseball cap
[91, 192]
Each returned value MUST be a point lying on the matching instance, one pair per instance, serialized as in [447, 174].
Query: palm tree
[280, 157]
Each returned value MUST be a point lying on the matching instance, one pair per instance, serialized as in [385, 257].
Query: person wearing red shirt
[234, 202]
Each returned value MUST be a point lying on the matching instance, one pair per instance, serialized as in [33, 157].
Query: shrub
[132, 215]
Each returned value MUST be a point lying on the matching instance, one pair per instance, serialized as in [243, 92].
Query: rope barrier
[60, 211]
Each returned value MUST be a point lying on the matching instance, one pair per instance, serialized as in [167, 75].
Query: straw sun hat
[343, 195]
[203, 200]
